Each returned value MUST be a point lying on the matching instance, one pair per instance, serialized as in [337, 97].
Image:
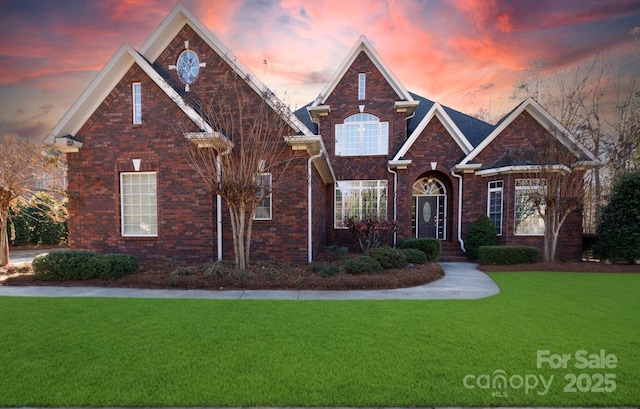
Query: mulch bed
[261, 275]
[270, 275]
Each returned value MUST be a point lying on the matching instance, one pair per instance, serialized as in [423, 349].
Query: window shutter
[339, 138]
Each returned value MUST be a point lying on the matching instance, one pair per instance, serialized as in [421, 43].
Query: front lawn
[159, 352]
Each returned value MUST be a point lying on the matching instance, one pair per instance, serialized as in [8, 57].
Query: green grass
[141, 352]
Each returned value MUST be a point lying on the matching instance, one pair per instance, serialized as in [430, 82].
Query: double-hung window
[136, 93]
[139, 204]
[263, 209]
[359, 199]
[528, 220]
[362, 134]
[494, 205]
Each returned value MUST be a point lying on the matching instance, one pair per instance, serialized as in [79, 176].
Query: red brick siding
[523, 132]
[110, 140]
[379, 101]
[186, 207]
[434, 144]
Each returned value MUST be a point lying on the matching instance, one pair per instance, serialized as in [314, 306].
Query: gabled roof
[472, 128]
[101, 86]
[438, 111]
[171, 26]
[363, 45]
[545, 119]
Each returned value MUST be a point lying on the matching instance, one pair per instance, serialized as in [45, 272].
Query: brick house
[365, 145]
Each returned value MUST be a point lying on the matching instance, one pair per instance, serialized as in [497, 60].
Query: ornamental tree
[370, 231]
[245, 157]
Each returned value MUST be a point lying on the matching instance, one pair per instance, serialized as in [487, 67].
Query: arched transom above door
[428, 186]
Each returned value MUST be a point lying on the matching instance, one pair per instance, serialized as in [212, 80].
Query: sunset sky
[446, 50]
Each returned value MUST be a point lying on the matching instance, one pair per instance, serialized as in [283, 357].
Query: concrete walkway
[461, 281]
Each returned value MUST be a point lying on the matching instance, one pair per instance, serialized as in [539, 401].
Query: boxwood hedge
[82, 265]
[508, 254]
[430, 247]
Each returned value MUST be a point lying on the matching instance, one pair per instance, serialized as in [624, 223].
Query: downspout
[309, 207]
[219, 212]
[395, 204]
[459, 177]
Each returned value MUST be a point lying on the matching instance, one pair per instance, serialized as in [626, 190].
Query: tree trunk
[4, 238]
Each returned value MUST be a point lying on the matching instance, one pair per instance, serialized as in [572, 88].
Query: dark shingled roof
[516, 157]
[472, 128]
[303, 115]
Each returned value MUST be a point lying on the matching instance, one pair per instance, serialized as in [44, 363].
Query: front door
[429, 209]
[426, 216]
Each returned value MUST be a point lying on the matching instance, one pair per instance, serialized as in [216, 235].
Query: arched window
[428, 186]
[362, 134]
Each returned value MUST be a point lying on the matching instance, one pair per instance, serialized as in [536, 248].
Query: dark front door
[426, 216]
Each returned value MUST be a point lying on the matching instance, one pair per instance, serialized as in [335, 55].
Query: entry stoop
[451, 252]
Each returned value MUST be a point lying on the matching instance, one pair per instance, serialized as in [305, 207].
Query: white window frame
[494, 187]
[267, 202]
[144, 201]
[136, 98]
[535, 220]
[362, 134]
[356, 189]
[362, 85]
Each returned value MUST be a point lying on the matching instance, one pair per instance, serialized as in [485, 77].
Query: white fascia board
[447, 122]
[104, 82]
[522, 169]
[493, 134]
[172, 93]
[543, 118]
[563, 135]
[362, 44]
[171, 26]
[468, 168]
[314, 144]
[93, 95]
[400, 164]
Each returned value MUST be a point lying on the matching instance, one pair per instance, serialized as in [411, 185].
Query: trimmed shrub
[336, 253]
[508, 254]
[388, 257]
[184, 271]
[82, 265]
[618, 232]
[213, 269]
[481, 233]
[362, 265]
[414, 256]
[116, 266]
[329, 271]
[430, 247]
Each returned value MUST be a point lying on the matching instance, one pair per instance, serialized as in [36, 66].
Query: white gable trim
[438, 111]
[171, 26]
[104, 82]
[362, 45]
[543, 118]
